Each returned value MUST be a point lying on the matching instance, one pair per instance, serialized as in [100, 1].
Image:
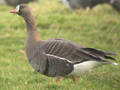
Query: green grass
[97, 28]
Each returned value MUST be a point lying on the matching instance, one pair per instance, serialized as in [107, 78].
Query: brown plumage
[115, 4]
[58, 57]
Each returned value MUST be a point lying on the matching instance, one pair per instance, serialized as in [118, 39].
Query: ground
[97, 28]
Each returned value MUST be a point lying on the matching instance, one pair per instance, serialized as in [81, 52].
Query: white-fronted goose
[58, 57]
[115, 4]
[75, 4]
[15, 2]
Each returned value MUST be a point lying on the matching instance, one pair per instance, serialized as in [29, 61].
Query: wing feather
[74, 52]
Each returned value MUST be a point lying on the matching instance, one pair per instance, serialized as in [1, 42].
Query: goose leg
[74, 79]
[58, 80]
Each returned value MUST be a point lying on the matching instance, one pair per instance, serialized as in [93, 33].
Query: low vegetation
[97, 28]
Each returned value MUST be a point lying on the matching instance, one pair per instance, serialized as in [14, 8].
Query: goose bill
[16, 10]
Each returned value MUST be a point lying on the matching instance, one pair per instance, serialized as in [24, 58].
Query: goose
[58, 57]
[76, 4]
[115, 4]
[15, 2]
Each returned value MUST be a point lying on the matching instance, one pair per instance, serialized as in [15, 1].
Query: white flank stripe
[59, 58]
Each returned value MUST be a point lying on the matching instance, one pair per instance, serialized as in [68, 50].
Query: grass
[97, 28]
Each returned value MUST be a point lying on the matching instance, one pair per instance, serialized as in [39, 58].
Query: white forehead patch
[17, 8]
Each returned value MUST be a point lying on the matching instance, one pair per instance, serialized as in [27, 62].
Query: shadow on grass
[52, 86]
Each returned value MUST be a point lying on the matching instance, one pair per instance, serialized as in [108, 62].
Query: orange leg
[58, 80]
[74, 79]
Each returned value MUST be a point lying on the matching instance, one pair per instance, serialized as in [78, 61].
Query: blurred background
[91, 23]
[71, 4]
